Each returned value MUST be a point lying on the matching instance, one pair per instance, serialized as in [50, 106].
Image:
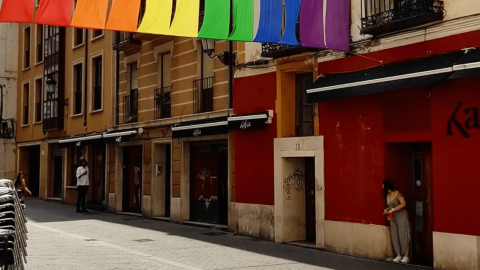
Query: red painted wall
[254, 148]
[358, 154]
[456, 159]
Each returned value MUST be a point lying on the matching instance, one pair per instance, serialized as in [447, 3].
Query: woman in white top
[82, 186]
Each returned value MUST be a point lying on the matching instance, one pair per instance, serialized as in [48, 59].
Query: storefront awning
[79, 140]
[119, 136]
[429, 71]
[194, 129]
[250, 121]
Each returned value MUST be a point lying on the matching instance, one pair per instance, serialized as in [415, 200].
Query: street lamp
[227, 58]
[51, 82]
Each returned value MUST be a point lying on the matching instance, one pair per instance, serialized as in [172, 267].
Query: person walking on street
[20, 184]
[82, 186]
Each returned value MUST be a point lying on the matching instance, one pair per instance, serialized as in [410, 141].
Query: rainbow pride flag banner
[309, 23]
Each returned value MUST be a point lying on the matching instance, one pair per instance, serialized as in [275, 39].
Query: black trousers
[82, 197]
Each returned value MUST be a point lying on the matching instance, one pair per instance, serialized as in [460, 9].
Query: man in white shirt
[82, 186]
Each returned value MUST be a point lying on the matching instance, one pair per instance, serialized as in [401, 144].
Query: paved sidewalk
[59, 238]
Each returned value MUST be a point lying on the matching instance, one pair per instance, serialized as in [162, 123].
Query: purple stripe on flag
[337, 24]
[311, 23]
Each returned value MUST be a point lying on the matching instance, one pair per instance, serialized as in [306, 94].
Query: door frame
[119, 186]
[158, 200]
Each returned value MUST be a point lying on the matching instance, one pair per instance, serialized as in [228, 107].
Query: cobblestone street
[59, 238]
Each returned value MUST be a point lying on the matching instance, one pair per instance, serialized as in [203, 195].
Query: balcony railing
[27, 59]
[203, 95]
[130, 107]
[25, 115]
[385, 16]
[7, 128]
[277, 50]
[97, 97]
[124, 41]
[163, 105]
[38, 112]
[39, 52]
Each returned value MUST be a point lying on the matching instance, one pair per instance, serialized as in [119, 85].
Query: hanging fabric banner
[292, 9]
[90, 14]
[270, 25]
[157, 17]
[311, 24]
[123, 15]
[17, 11]
[337, 25]
[329, 30]
[242, 20]
[216, 20]
[55, 12]
[185, 22]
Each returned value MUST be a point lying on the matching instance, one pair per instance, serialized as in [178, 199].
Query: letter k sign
[472, 121]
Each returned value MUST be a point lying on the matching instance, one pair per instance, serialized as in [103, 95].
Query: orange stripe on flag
[123, 15]
[55, 12]
[90, 14]
[17, 11]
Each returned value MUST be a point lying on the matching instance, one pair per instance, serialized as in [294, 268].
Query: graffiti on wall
[203, 175]
[294, 182]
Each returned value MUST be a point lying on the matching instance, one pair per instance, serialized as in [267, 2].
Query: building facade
[65, 87]
[8, 96]
[401, 104]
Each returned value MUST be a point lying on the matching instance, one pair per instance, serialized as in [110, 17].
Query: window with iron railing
[39, 43]
[78, 88]
[38, 99]
[26, 103]
[25, 115]
[97, 83]
[203, 95]
[385, 16]
[26, 47]
[130, 105]
[78, 34]
[163, 105]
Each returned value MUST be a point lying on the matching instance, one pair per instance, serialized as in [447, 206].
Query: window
[26, 48]
[78, 37]
[130, 102]
[39, 43]
[77, 89]
[53, 71]
[162, 93]
[303, 109]
[38, 99]
[26, 98]
[203, 88]
[97, 83]
[97, 33]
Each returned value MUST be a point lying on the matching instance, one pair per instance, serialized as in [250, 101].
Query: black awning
[194, 129]
[429, 71]
[79, 140]
[250, 121]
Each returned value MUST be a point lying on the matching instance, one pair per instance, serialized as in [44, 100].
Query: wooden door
[310, 220]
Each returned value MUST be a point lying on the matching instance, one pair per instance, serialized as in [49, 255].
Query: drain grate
[214, 233]
[91, 240]
[143, 240]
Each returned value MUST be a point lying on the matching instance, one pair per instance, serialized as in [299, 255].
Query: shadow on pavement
[47, 212]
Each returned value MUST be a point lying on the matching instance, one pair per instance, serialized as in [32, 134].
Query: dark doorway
[209, 182]
[98, 178]
[33, 177]
[57, 176]
[168, 179]
[303, 109]
[132, 179]
[409, 165]
[310, 220]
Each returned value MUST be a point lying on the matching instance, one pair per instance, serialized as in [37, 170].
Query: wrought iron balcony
[278, 51]
[203, 95]
[124, 41]
[7, 128]
[130, 107]
[385, 16]
[52, 119]
[163, 105]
